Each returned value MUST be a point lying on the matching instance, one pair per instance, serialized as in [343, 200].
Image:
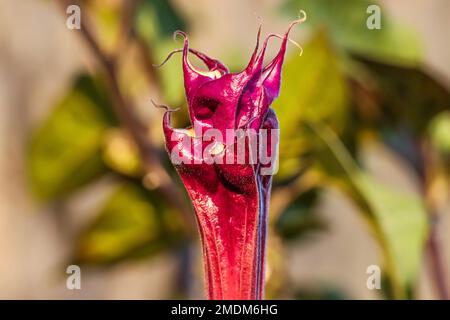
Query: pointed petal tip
[255, 51]
[257, 59]
[167, 114]
[163, 106]
[171, 53]
[302, 16]
[279, 57]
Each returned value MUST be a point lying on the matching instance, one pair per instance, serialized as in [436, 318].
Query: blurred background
[364, 153]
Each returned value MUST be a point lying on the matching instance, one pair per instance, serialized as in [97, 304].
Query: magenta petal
[230, 199]
[212, 64]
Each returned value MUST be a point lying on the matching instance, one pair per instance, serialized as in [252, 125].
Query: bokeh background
[364, 154]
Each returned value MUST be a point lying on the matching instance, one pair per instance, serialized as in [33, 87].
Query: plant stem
[437, 262]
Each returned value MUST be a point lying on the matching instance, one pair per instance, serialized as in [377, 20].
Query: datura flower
[226, 161]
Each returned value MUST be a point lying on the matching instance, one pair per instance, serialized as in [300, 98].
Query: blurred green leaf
[299, 219]
[155, 22]
[399, 104]
[106, 19]
[64, 153]
[315, 95]
[440, 132]
[120, 153]
[313, 89]
[346, 22]
[133, 223]
[402, 220]
[169, 20]
[438, 189]
[398, 217]
[407, 97]
[159, 17]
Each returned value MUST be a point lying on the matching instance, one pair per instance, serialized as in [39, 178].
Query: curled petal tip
[162, 106]
[171, 53]
[167, 126]
[180, 33]
[295, 43]
[167, 115]
[302, 16]
[212, 64]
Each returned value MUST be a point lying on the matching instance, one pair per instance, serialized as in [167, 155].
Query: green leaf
[133, 223]
[64, 154]
[347, 23]
[440, 132]
[167, 16]
[105, 19]
[313, 89]
[159, 17]
[398, 217]
[120, 153]
[407, 97]
[402, 220]
[155, 22]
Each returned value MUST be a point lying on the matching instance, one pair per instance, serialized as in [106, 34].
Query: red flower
[227, 180]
